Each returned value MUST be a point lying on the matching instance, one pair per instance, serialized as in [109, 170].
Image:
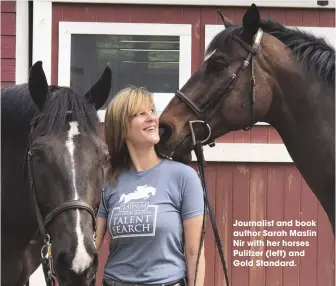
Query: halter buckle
[193, 136]
[46, 251]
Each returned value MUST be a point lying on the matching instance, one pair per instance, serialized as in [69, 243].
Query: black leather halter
[204, 115]
[207, 112]
[44, 222]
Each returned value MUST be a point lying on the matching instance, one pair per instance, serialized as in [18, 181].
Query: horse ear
[100, 91]
[226, 21]
[38, 85]
[251, 22]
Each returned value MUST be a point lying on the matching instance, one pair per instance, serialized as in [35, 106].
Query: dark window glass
[149, 61]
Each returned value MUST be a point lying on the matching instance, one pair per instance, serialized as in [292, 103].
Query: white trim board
[42, 40]
[246, 152]
[244, 3]
[22, 42]
[99, 28]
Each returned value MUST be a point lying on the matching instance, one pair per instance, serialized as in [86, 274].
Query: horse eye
[36, 154]
[222, 62]
[216, 65]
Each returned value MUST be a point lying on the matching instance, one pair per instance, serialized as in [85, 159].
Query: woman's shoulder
[180, 169]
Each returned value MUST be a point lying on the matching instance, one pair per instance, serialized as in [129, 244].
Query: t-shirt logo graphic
[142, 192]
[134, 216]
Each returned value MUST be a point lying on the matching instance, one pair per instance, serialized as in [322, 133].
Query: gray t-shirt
[145, 219]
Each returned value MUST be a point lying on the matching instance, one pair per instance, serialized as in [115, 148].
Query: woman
[153, 208]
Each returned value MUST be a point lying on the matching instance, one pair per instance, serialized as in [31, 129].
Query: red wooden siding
[237, 191]
[8, 26]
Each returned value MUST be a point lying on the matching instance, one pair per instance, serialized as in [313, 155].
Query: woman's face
[143, 130]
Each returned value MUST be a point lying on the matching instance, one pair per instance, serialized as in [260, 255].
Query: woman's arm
[192, 211]
[101, 230]
[192, 233]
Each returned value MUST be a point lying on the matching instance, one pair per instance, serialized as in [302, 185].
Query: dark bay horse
[52, 159]
[262, 71]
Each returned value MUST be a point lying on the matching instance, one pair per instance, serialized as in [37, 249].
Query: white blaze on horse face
[73, 131]
[82, 259]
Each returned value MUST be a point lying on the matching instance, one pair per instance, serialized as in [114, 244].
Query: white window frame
[183, 31]
[327, 32]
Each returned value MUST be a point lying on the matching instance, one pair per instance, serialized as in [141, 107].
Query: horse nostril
[165, 131]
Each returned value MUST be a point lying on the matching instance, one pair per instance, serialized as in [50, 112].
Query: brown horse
[262, 71]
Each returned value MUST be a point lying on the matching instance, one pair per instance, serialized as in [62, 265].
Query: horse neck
[303, 114]
[14, 141]
[302, 111]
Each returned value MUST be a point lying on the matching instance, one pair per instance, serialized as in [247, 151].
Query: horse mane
[56, 112]
[18, 110]
[313, 53]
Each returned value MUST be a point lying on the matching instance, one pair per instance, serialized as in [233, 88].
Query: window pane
[149, 61]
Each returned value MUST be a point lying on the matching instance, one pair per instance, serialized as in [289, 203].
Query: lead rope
[200, 159]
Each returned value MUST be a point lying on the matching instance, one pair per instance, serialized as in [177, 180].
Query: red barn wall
[238, 191]
[8, 31]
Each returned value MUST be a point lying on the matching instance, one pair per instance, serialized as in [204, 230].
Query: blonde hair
[124, 106]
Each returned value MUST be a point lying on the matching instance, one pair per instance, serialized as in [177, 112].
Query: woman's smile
[150, 128]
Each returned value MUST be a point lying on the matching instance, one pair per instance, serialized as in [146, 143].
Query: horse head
[66, 166]
[223, 93]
